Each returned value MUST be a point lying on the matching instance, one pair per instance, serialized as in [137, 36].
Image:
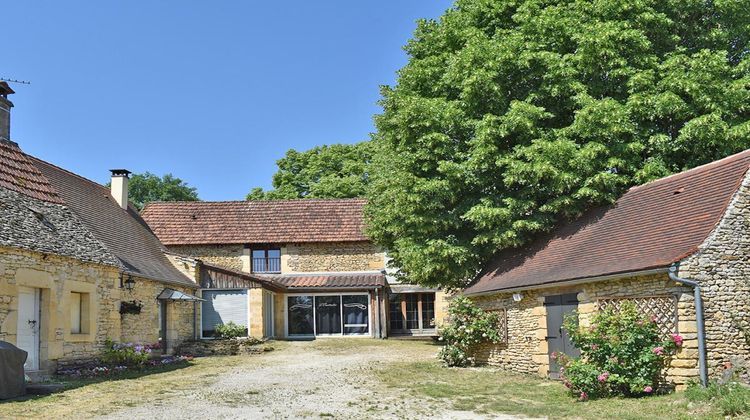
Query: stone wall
[201, 348]
[335, 256]
[722, 267]
[526, 350]
[56, 277]
[228, 256]
[144, 327]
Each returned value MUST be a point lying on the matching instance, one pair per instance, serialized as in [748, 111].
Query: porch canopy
[175, 295]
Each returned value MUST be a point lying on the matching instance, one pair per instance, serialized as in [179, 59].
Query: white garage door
[222, 306]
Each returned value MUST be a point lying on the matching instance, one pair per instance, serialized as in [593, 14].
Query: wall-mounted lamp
[127, 282]
[517, 297]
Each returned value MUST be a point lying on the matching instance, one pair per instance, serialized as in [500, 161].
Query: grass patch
[732, 398]
[491, 391]
[91, 397]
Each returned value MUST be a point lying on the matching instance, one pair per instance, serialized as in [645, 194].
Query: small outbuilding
[651, 247]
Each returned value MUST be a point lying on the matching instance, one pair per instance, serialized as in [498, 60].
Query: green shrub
[622, 353]
[732, 398]
[231, 330]
[128, 354]
[469, 326]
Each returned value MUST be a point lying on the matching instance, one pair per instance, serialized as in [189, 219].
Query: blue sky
[213, 92]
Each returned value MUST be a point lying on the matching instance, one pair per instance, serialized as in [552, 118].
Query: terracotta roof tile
[651, 226]
[240, 222]
[18, 173]
[330, 280]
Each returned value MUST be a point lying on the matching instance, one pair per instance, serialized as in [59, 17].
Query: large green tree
[146, 187]
[514, 115]
[332, 171]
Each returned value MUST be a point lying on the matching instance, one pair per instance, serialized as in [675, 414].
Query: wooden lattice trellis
[503, 323]
[663, 308]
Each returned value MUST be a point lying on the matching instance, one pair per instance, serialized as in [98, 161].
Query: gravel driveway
[322, 378]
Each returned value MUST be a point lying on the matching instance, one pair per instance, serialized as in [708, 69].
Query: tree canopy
[512, 116]
[331, 171]
[146, 187]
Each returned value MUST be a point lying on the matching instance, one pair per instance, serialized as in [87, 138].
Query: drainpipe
[702, 368]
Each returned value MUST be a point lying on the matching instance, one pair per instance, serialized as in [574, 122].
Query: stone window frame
[503, 323]
[603, 302]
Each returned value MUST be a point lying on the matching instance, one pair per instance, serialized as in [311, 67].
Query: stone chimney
[5, 106]
[119, 185]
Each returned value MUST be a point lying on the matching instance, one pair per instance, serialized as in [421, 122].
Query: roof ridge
[283, 200]
[67, 171]
[720, 162]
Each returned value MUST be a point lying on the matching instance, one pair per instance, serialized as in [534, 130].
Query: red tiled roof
[651, 226]
[18, 173]
[329, 280]
[240, 222]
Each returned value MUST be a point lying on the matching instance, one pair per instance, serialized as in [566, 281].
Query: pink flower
[648, 390]
[594, 347]
[658, 351]
[654, 318]
[584, 396]
[603, 377]
[554, 355]
[677, 340]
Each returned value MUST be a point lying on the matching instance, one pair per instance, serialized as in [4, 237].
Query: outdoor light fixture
[517, 297]
[127, 283]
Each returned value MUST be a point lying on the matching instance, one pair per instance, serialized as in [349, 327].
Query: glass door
[328, 315]
[300, 315]
[411, 313]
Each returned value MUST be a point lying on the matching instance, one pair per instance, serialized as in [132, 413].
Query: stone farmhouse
[652, 247]
[293, 269]
[72, 256]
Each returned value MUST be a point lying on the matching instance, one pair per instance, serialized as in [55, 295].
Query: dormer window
[266, 260]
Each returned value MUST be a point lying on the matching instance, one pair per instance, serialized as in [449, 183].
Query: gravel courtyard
[323, 378]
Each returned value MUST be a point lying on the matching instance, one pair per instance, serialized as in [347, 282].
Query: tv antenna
[22, 82]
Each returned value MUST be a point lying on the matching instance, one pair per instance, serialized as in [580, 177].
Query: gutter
[702, 368]
[573, 282]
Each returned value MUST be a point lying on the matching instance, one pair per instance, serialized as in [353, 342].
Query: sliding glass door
[328, 315]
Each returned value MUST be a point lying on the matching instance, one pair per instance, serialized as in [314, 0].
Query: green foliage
[128, 354]
[231, 330]
[469, 326]
[514, 115]
[622, 353]
[732, 398]
[147, 187]
[332, 171]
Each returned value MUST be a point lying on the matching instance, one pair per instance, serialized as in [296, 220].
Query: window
[79, 313]
[75, 313]
[411, 313]
[300, 315]
[267, 260]
[356, 314]
[219, 307]
[328, 315]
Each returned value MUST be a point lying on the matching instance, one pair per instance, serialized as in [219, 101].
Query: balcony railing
[267, 265]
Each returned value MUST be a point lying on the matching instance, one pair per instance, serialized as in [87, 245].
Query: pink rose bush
[622, 354]
[470, 326]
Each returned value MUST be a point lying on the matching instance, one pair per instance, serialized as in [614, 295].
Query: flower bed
[98, 369]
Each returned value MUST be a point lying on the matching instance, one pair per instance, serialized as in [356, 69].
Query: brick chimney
[5, 106]
[119, 186]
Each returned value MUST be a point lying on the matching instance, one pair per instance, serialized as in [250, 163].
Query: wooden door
[558, 341]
